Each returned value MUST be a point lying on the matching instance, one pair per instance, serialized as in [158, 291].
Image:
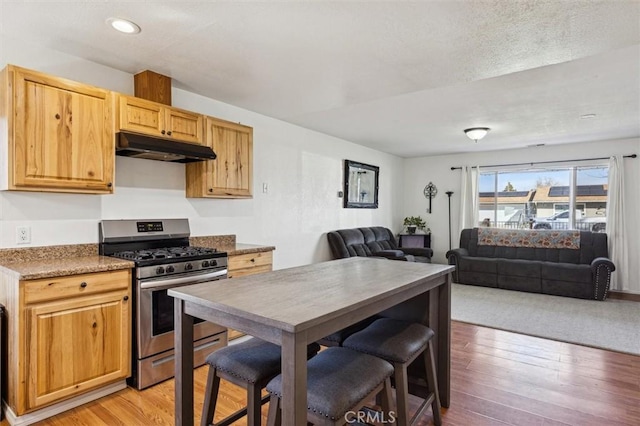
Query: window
[545, 198]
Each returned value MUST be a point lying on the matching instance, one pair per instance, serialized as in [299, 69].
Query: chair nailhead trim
[234, 374]
[279, 395]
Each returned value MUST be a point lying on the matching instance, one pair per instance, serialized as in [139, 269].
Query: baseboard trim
[52, 410]
[622, 295]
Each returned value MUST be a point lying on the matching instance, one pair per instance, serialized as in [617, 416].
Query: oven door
[154, 314]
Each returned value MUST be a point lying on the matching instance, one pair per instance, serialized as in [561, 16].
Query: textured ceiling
[401, 77]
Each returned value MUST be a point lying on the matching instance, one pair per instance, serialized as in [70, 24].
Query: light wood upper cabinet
[230, 175]
[152, 118]
[59, 133]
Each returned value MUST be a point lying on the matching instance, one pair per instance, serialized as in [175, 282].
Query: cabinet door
[230, 175]
[184, 126]
[63, 138]
[75, 345]
[142, 116]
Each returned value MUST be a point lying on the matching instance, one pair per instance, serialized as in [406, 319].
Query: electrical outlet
[23, 235]
[265, 188]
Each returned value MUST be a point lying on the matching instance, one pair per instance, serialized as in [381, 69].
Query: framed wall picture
[360, 185]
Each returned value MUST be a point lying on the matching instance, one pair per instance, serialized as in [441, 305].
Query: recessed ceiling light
[124, 26]
[587, 116]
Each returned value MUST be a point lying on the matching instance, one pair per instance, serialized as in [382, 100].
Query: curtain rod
[547, 162]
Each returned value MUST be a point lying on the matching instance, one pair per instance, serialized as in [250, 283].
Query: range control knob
[205, 264]
[213, 263]
[170, 269]
[159, 270]
[188, 267]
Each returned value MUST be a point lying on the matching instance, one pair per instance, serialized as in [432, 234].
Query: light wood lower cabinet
[248, 264]
[69, 335]
[76, 345]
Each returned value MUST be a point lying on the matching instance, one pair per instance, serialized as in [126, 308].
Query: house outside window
[542, 198]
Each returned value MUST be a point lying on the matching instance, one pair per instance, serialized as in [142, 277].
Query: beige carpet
[612, 324]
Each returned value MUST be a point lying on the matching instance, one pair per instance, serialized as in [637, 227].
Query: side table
[414, 240]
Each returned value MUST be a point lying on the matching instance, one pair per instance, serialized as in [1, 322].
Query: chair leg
[402, 393]
[274, 417]
[386, 402]
[432, 384]
[210, 397]
[254, 404]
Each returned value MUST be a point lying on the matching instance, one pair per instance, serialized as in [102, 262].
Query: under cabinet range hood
[155, 148]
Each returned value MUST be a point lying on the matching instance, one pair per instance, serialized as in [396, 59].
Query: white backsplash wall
[420, 171]
[302, 169]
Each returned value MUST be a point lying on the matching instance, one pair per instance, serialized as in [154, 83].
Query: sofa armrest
[418, 251]
[454, 259]
[455, 254]
[390, 254]
[602, 268]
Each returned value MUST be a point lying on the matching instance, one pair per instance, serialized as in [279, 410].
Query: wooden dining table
[296, 306]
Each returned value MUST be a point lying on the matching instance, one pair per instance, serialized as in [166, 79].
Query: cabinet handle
[57, 116]
[253, 260]
[109, 185]
[169, 132]
[83, 284]
[210, 189]
[163, 132]
[125, 298]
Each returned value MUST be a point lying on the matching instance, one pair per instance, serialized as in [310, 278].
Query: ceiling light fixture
[587, 116]
[476, 133]
[124, 26]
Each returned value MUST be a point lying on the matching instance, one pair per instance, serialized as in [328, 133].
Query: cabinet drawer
[250, 260]
[75, 285]
[250, 271]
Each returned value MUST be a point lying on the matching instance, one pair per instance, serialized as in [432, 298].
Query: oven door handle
[191, 279]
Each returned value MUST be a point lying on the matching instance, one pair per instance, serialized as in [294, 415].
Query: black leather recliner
[373, 241]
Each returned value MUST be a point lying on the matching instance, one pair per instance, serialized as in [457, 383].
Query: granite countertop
[240, 248]
[228, 243]
[33, 263]
[56, 267]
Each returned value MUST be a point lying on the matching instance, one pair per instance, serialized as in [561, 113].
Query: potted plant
[414, 222]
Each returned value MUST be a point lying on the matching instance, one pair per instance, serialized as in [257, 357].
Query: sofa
[373, 241]
[563, 263]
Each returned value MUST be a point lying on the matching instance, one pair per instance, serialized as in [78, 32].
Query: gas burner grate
[184, 252]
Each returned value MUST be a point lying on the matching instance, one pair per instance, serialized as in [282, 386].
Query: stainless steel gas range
[164, 259]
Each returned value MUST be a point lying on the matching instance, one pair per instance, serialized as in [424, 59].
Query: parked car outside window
[561, 221]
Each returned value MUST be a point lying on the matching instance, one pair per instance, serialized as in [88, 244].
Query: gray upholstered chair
[251, 365]
[339, 382]
[400, 342]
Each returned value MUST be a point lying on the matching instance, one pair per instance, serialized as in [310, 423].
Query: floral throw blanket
[529, 238]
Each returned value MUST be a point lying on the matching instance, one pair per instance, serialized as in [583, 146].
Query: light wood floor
[498, 378]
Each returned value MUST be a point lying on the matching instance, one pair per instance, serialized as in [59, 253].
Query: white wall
[419, 171]
[302, 168]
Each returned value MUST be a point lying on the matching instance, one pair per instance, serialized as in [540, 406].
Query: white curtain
[616, 232]
[469, 197]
